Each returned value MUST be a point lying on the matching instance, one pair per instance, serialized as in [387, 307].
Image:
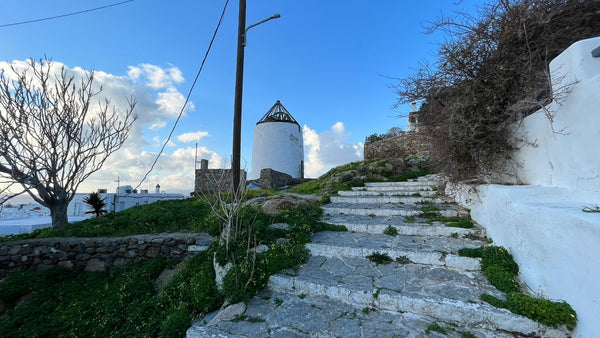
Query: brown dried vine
[492, 72]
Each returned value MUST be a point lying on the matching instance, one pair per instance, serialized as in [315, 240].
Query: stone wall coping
[142, 237]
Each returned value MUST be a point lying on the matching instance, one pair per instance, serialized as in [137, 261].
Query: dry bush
[492, 71]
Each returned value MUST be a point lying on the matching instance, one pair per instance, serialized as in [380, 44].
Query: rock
[23, 300]
[280, 203]
[205, 240]
[165, 277]
[197, 248]
[220, 272]
[271, 179]
[282, 241]
[14, 250]
[281, 226]
[260, 249]
[152, 251]
[66, 264]
[95, 264]
[131, 254]
[82, 256]
[227, 313]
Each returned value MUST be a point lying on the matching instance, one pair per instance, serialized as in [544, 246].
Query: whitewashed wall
[572, 159]
[541, 223]
[279, 146]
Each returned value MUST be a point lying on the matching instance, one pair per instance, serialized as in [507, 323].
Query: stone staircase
[427, 291]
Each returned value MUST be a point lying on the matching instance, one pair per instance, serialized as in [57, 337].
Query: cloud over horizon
[158, 102]
[328, 149]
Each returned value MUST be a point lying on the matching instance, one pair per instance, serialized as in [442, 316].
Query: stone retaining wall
[402, 146]
[99, 253]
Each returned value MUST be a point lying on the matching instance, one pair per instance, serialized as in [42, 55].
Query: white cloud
[191, 137]
[158, 103]
[328, 149]
[156, 77]
[313, 166]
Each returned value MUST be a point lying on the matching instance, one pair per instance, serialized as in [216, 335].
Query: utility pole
[237, 106]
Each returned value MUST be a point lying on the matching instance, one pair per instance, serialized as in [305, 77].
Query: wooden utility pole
[237, 106]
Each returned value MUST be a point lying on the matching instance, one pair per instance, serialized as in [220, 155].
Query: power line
[187, 97]
[64, 15]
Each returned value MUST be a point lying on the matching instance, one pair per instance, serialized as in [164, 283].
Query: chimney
[203, 164]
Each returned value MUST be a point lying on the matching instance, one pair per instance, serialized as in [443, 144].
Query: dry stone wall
[210, 181]
[403, 146]
[97, 254]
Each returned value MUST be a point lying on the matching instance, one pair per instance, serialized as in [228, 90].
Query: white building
[124, 198]
[278, 144]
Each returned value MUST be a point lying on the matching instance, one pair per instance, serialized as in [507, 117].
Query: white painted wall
[279, 146]
[542, 224]
[118, 202]
[572, 160]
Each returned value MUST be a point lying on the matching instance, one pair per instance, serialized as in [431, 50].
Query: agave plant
[97, 203]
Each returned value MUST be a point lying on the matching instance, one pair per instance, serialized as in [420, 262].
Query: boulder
[281, 203]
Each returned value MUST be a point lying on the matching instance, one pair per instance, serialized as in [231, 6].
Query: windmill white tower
[278, 144]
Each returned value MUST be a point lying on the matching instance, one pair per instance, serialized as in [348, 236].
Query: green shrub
[496, 255]
[471, 252]
[457, 222]
[379, 258]
[391, 231]
[175, 325]
[436, 327]
[542, 310]
[502, 279]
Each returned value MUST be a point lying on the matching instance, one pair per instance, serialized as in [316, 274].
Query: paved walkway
[427, 291]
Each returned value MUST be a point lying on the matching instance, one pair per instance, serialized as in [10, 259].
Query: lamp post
[237, 106]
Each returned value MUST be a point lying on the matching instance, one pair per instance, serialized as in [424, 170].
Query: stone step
[420, 196]
[376, 225]
[464, 314]
[373, 199]
[389, 209]
[282, 314]
[405, 190]
[436, 251]
[424, 184]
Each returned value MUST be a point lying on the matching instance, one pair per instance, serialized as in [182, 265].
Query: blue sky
[329, 63]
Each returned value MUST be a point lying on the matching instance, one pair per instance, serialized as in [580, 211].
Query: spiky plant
[97, 203]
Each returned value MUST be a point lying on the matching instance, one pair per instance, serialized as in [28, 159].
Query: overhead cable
[64, 15]
[187, 97]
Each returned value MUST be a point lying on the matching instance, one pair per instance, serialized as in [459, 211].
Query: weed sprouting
[380, 258]
[436, 327]
[391, 231]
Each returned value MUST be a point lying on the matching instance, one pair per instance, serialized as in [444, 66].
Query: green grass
[120, 302]
[192, 214]
[124, 302]
[501, 271]
[379, 258]
[391, 231]
[436, 327]
[324, 184]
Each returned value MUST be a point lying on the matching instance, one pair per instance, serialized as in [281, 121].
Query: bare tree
[53, 135]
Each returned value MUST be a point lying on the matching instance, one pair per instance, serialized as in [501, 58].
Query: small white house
[124, 198]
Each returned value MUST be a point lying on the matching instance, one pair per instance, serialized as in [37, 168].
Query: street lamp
[237, 106]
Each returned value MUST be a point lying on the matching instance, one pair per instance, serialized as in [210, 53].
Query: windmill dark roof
[278, 113]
